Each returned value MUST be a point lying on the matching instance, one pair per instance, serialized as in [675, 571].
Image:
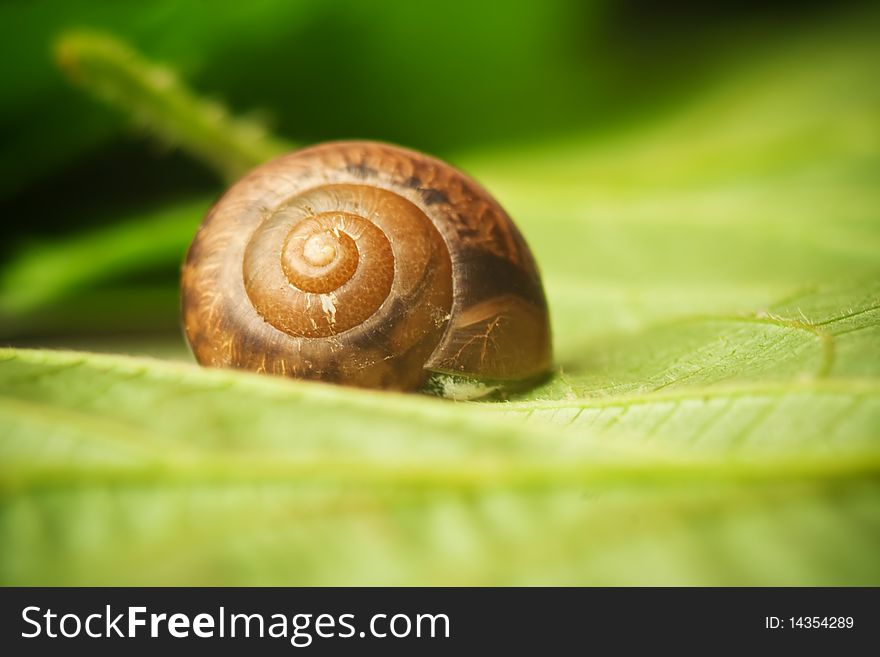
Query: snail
[366, 264]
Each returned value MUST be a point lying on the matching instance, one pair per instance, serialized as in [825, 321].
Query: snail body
[365, 264]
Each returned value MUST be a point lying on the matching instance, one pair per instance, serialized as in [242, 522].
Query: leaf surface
[126, 470]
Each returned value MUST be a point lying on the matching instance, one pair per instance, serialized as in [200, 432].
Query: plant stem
[156, 98]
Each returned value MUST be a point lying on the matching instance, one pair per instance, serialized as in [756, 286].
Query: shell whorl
[363, 263]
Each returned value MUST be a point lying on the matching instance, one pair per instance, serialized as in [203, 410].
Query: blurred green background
[542, 101]
[699, 183]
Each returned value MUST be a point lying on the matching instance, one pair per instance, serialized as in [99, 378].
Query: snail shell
[366, 264]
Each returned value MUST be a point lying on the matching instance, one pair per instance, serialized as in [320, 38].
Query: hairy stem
[157, 99]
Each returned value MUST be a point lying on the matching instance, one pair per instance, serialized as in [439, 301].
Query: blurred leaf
[43, 275]
[145, 471]
[764, 183]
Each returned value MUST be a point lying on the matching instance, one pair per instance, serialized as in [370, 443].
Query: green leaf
[826, 331]
[123, 470]
[39, 279]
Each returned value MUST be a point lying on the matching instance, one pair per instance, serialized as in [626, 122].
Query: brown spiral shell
[366, 264]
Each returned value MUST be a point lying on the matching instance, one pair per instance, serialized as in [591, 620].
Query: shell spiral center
[319, 256]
